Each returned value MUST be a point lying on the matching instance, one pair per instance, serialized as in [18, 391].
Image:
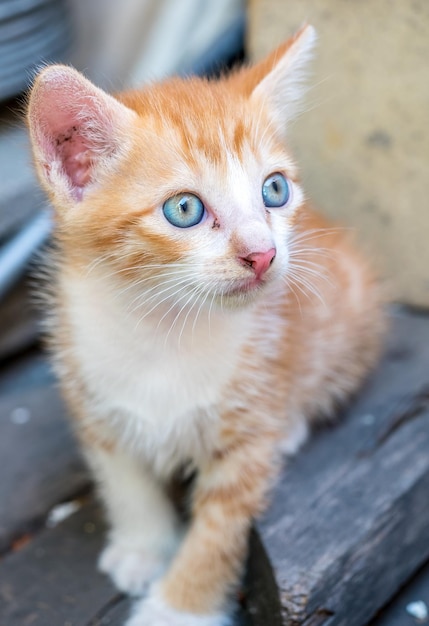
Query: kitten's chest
[159, 393]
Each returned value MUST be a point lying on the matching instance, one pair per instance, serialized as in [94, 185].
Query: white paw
[131, 569]
[153, 611]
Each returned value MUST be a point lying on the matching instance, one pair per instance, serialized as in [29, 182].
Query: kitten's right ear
[78, 132]
[278, 81]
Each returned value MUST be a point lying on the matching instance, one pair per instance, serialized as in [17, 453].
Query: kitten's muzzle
[259, 261]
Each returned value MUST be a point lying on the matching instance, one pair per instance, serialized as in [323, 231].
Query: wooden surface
[396, 613]
[348, 524]
[41, 462]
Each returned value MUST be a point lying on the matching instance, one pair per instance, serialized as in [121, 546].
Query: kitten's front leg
[198, 588]
[144, 531]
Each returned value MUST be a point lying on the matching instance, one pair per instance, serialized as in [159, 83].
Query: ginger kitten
[203, 314]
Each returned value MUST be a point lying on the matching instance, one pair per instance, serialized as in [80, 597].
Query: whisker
[314, 233]
[301, 281]
[173, 305]
[197, 291]
[203, 301]
[214, 296]
[290, 285]
[319, 273]
[157, 304]
[141, 300]
[327, 253]
[142, 269]
[178, 314]
[138, 283]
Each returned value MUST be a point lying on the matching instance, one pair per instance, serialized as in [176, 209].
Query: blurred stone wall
[363, 143]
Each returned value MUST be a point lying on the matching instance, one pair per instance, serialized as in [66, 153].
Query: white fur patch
[145, 531]
[153, 611]
[130, 569]
[158, 396]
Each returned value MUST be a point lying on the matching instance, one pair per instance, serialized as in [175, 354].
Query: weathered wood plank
[41, 465]
[53, 581]
[348, 523]
[395, 614]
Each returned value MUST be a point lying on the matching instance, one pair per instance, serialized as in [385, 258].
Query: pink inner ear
[75, 156]
[72, 120]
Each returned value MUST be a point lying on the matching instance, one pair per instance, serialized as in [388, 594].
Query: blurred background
[362, 142]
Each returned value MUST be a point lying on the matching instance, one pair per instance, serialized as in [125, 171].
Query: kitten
[203, 313]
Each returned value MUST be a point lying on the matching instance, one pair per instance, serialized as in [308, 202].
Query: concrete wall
[363, 144]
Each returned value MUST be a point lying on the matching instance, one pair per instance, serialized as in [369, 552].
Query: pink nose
[259, 261]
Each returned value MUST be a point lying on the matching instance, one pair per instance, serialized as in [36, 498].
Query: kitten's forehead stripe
[239, 137]
[209, 147]
[205, 121]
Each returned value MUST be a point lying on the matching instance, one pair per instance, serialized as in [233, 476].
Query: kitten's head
[186, 186]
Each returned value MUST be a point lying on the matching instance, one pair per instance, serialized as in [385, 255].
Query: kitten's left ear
[79, 133]
[279, 80]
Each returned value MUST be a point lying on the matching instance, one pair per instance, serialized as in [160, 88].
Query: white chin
[239, 299]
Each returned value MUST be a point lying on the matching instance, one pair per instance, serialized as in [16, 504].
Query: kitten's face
[197, 204]
[185, 189]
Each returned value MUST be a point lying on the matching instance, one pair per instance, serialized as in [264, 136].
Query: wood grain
[52, 581]
[395, 613]
[41, 465]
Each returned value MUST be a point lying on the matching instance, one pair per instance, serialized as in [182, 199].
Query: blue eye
[184, 210]
[275, 190]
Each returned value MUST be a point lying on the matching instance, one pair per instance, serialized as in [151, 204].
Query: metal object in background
[17, 253]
